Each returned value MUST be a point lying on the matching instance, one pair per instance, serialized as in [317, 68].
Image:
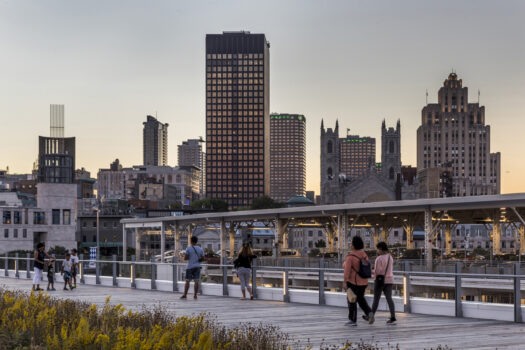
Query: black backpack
[365, 270]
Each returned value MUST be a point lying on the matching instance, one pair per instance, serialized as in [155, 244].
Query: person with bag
[243, 264]
[194, 255]
[384, 280]
[357, 271]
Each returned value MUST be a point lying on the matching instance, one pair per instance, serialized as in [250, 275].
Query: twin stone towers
[350, 174]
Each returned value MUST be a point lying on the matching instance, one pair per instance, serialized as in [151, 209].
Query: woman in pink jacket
[384, 280]
[356, 283]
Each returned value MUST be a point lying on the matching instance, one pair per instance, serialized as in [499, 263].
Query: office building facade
[453, 134]
[287, 156]
[190, 154]
[155, 142]
[237, 117]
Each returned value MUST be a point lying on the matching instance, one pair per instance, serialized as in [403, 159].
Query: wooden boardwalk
[318, 324]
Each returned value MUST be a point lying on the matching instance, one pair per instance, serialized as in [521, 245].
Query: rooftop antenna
[347, 131]
[426, 98]
[478, 96]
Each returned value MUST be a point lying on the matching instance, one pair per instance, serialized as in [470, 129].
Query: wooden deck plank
[318, 324]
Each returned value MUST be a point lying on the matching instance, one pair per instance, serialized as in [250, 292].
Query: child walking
[51, 275]
[67, 266]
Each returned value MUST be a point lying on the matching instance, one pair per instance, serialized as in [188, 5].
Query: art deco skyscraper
[453, 135]
[287, 156]
[237, 117]
[155, 142]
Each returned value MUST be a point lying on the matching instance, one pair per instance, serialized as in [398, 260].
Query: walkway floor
[318, 324]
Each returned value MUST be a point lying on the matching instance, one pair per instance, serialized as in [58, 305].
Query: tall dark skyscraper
[288, 156]
[155, 142]
[237, 117]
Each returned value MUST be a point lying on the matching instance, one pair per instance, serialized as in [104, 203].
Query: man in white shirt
[75, 260]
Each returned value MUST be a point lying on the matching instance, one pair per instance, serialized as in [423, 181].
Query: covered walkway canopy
[379, 217]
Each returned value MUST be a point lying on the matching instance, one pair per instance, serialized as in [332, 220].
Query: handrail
[287, 271]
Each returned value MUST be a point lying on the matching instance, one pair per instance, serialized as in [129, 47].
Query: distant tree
[175, 205]
[314, 252]
[58, 250]
[210, 203]
[265, 202]
[320, 244]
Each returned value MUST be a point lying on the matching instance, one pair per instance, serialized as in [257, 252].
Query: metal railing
[173, 272]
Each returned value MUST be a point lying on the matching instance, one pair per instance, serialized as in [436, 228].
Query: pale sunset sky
[113, 62]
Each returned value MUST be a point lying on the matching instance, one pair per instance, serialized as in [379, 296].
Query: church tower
[329, 158]
[391, 151]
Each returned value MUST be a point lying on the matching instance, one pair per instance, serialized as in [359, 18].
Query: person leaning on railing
[356, 273]
[243, 264]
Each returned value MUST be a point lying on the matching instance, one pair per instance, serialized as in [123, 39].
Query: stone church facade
[382, 182]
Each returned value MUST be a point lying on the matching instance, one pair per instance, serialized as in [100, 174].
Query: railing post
[6, 266]
[321, 282]
[153, 270]
[224, 277]
[286, 291]
[459, 292]
[28, 265]
[17, 275]
[132, 272]
[254, 278]
[517, 294]
[114, 258]
[406, 289]
[175, 274]
[97, 270]
[81, 269]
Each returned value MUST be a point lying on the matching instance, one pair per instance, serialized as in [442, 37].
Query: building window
[39, 218]
[66, 217]
[330, 147]
[6, 233]
[320, 233]
[391, 146]
[310, 233]
[55, 216]
[7, 217]
[17, 219]
[15, 233]
[24, 233]
[310, 244]
[95, 223]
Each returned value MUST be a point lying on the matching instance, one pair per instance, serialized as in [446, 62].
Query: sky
[113, 62]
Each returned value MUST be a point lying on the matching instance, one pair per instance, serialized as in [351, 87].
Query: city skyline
[100, 93]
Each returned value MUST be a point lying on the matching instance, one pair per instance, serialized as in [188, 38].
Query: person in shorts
[74, 259]
[51, 275]
[194, 255]
[40, 255]
[67, 266]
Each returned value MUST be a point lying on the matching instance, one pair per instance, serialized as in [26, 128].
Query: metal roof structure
[472, 209]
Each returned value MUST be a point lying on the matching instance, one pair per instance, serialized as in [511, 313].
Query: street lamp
[97, 264]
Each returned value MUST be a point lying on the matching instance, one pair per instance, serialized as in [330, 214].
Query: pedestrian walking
[51, 275]
[357, 271]
[67, 266]
[243, 264]
[384, 280]
[194, 255]
[75, 260]
[40, 256]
